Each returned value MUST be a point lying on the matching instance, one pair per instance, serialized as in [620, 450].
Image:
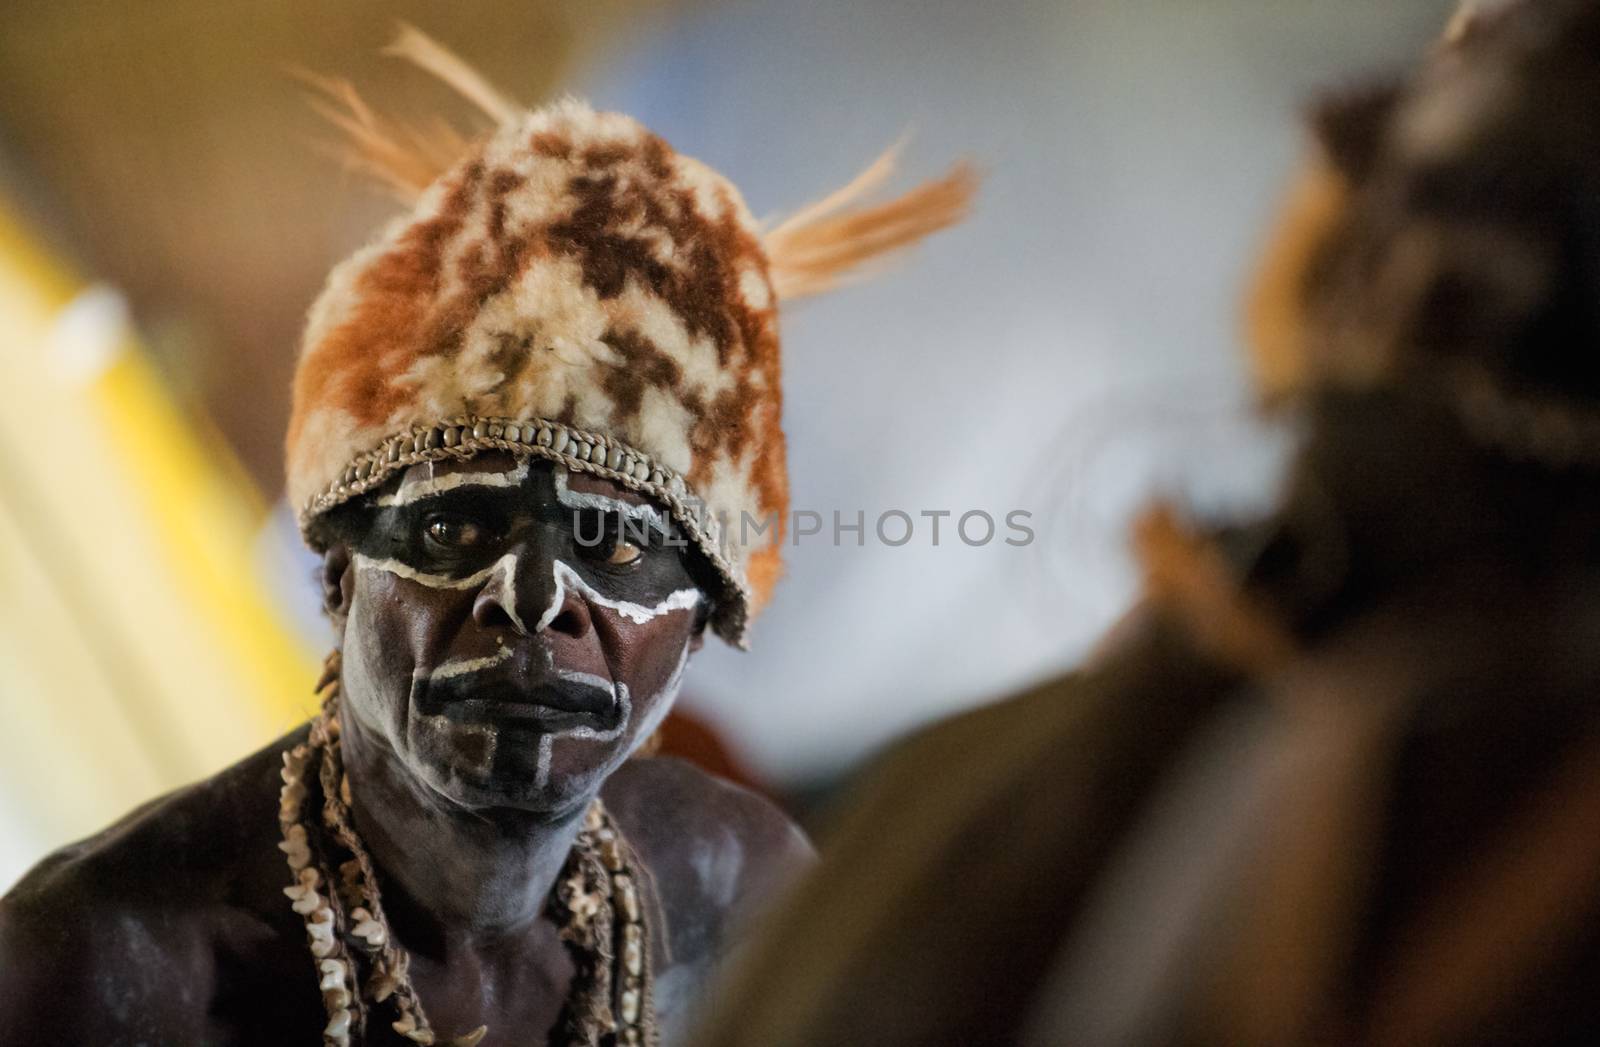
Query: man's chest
[266, 992]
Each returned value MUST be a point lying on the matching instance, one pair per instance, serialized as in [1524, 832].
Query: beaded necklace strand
[596, 904]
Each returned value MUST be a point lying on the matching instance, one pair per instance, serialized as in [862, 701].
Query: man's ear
[697, 639]
[338, 582]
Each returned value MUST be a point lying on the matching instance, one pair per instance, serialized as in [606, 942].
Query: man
[1338, 780]
[528, 422]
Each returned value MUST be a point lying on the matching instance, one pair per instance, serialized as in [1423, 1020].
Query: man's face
[512, 631]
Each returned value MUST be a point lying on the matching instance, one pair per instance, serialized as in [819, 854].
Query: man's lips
[547, 703]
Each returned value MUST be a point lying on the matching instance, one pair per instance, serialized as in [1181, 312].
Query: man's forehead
[501, 469]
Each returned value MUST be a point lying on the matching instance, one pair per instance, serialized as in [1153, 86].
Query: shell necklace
[361, 969]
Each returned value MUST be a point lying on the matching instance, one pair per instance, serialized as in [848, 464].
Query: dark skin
[497, 676]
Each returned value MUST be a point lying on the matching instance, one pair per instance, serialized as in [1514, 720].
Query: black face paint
[513, 640]
[464, 530]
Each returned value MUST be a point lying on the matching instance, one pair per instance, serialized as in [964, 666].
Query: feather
[871, 177]
[835, 239]
[426, 53]
[404, 157]
[838, 238]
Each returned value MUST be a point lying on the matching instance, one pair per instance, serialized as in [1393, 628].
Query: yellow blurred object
[139, 647]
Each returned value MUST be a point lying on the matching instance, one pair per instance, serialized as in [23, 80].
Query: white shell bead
[371, 930]
[630, 1006]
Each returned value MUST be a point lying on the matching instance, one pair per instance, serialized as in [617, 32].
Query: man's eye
[604, 540]
[454, 532]
[623, 552]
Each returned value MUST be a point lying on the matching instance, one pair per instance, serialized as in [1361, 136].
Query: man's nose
[523, 593]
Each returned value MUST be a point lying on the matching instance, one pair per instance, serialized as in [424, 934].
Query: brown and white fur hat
[571, 288]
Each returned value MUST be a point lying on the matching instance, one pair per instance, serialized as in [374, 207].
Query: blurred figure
[1337, 780]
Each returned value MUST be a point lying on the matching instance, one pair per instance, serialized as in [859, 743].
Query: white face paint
[566, 578]
[496, 576]
[660, 704]
[416, 488]
[356, 674]
[462, 666]
[500, 573]
[645, 514]
[499, 580]
[503, 566]
[619, 696]
[489, 737]
[359, 678]
[663, 701]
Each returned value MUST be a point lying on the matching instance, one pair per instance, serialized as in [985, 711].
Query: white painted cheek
[565, 579]
[497, 579]
[502, 568]
[359, 678]
[662, 702]
[360, 675]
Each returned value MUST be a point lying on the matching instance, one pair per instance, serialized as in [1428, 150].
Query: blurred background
[168, 210]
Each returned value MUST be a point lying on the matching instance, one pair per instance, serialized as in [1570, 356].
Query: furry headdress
[571, 288]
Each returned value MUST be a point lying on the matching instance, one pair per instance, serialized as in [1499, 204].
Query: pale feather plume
[402, 156]
[838, 239]
[829, 242]
[425, 52]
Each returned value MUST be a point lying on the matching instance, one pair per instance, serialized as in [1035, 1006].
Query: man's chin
[477, 788]
[516, 769]
[551, 800]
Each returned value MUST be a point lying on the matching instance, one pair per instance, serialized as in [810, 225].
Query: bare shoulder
[105, 937]
[713, 848]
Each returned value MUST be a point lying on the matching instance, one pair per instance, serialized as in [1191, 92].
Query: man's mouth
[550, 705]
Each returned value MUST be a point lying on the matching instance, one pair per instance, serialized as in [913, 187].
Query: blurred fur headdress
[571, 288]
[1442, 240]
